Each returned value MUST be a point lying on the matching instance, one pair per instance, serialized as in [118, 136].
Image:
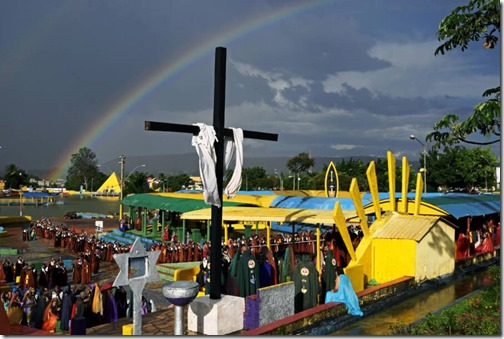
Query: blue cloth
[346, 295]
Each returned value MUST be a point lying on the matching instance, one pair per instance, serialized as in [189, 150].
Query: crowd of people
[478, 239]
[51, 298]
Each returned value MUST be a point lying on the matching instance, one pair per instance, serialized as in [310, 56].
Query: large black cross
[220, 131]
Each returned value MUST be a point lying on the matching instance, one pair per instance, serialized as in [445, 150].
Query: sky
[333, 78]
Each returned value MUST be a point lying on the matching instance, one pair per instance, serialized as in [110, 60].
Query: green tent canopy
[153, 201]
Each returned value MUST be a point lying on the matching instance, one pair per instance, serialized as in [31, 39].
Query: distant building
[197, 183]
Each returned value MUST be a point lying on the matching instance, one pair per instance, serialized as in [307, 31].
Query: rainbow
[170, 69]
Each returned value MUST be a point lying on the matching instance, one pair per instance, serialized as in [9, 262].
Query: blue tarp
[462, 204]
[316, 203]
[39, 194]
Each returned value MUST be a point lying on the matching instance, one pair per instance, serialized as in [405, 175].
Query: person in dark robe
[9, 272]
[97, 262]
[328, 274]
[121, 298]
[289, 262]
[66, 309]
[42, 302]
[226, 264]
[265, 269]
[43, 277]
[247, 274]
[306, 285]
[20, 263]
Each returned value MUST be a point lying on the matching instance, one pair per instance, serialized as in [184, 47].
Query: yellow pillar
[225, 233]
[418, 193]
[268, 235]
[405, 184]
[373, 188]
[355, 194]
[339, 218]
[391, 177]
[319, 268]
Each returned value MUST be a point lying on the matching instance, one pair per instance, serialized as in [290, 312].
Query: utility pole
[121, 194]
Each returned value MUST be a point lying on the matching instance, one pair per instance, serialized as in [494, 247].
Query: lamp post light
[299, 179]
[412, 137]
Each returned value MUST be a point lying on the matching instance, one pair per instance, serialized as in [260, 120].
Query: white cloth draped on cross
[204, 144]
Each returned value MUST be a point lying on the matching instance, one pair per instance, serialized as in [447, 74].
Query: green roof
[182, 205]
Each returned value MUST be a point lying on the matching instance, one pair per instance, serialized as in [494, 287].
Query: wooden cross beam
[220, 131]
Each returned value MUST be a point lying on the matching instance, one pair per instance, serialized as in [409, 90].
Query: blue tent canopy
[317, 203]
[462, 204]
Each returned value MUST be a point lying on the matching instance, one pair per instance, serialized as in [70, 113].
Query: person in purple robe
[110, 314]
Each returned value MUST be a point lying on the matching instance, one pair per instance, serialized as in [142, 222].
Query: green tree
[461, 168]
[15, 177]
[480, 19]
[352, 168]
[136, 183]
[84, 166]
[253, 178]
[176, 182]
[300, 163]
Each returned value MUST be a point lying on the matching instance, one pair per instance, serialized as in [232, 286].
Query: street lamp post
[121, 161]
[281, 180]
[412, 137]
[293, 181]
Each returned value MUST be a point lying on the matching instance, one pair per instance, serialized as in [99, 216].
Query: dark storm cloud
[313, 50]
[351, 98]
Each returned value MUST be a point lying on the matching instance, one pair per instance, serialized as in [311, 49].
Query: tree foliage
[300, 163]
[15, 177]
[461, 168]
[478, 20]
[84, 166]
[136, 183]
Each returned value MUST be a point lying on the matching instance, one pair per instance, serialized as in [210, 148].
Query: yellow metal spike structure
[373, 188]
[340, 221]
[331, 167]
[354, 192]
[418, 194]
[392, 178]
[405, 184]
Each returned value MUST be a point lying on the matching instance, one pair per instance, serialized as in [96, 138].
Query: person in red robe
[28, 279]
[85, 273]
[51, 316]
[462, 247]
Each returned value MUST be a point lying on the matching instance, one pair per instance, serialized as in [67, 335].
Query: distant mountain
[188, 163]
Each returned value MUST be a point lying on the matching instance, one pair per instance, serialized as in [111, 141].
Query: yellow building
[111, 186]
[418, 246]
